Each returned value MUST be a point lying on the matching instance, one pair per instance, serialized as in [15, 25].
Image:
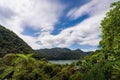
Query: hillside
[11, 43]
[60, 54]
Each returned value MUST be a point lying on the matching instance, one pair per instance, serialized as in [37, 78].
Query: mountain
[11, 43]
[60, 54]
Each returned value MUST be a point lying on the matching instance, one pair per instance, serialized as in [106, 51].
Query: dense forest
[103, 64]
[60, 54]
[11, 43]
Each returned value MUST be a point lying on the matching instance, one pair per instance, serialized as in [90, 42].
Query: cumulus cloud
[85, 33]
[94, 7]
[6, 13]
[90, 49]
[39, 14]
[42, 15]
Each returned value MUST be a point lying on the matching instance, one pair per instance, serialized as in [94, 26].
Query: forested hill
[60, 54]
[11, 43]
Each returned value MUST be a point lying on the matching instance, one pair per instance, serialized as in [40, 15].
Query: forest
[11, 43]
[103, 64]
[60, 54]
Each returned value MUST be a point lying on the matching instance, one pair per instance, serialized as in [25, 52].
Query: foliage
[11, 43]
[110, 42]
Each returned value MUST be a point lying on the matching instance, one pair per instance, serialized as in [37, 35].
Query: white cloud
[90, 49]
[84, 33]
[39, 14]
[44, 14]
[94, 7]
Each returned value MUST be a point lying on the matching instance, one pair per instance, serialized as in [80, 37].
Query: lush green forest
[11, 43]
[60, 54]
[103, 64]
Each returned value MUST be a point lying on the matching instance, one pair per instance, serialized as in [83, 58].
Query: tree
[11, 43]
[110, 42]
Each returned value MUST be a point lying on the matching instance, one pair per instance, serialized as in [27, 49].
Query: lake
[63, 61]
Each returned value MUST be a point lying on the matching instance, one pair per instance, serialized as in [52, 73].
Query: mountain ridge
[60, 53]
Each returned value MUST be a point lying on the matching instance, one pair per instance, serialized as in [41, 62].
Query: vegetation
[60, 54]
[110, 42]
[11, 43]
[103, 64]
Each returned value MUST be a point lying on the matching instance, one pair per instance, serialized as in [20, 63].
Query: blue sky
[55, 23]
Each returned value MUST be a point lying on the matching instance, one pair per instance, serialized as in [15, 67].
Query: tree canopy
[110, 42]
[11, 43]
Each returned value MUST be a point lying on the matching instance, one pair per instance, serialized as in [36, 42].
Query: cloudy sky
[55, 23]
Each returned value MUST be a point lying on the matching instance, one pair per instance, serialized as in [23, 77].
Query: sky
[55, 23]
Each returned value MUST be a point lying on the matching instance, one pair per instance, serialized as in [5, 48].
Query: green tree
[11, 43]
[110, 42]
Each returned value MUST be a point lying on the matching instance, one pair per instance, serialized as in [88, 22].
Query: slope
[11, 43]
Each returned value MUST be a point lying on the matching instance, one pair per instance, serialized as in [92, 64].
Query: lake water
[63, 61]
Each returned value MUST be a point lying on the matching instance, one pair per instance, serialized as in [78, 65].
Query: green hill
[11, 43]
[60, 54]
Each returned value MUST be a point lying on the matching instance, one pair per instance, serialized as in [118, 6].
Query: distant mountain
[11, 43]
[60, 54]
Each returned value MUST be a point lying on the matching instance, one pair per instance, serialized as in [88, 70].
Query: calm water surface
[63, 61]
